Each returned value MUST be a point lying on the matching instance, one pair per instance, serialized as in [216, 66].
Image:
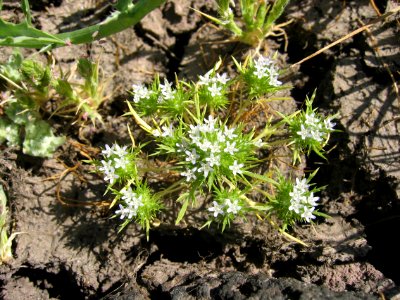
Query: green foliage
[257, 19]
[210, 153]
[309, 130]
[9, 131]
[39, 139]
[26, 35]
[5, 239]
[32, 85]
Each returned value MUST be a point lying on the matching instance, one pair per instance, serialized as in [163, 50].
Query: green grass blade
[27, 11]
[275, 12]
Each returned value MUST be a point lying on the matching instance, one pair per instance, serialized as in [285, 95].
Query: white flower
[140, 92]
[106, 167]
[164, 132]
[124, 212]
[205, 168]
[236, 168]
[132, 199]
[262, 66]
[312, 200]
[307, 213]
[312, 120]
[232, 206]
[260, 72]
[317, 135]
[181, 147]
[229, 133]
[167, 131]
[205, 80]
[230, 147]
[135, 203]
[189, 174]
[222, 79]
[167, 91]
[295, 206]
[304, 132]
[111, 176]
[301, 185]
[264, 61]
[215, 148]
[214, 90]
[108, 151]
[273, 76]
[120, 151]
[192, 156]
[274, 81]
[213, 160]
[258, 143]
[217, 209]
[221, 136]
[121, 162]
[297, 196]
[194, 131]
[156, 132]
[205, 145]
[210, 122]
[329, 124]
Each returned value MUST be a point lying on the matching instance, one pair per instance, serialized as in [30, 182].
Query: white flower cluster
[314, 128]
[207, 143]
[140, 92]
[167, 92]
[229, 206]
[302, 201]
[115, 158]
[265, 68]
[215, 83]
[132, 201]
[164, 131]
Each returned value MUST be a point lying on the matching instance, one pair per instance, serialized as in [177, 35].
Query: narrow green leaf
[275, 12]
[123, 5]
[260, 177]
[27, 11]
[182, 211]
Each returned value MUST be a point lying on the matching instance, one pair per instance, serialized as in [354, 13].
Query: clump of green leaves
[22, 116]
[32, 86]
[209, 151]
[256, 22]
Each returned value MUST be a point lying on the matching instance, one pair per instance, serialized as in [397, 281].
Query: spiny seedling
[213, 156]
[256, 22]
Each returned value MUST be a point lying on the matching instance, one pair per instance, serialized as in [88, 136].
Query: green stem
[27, 36]
[116, 23]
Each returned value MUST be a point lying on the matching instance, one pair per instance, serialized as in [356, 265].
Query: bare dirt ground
[74, 252]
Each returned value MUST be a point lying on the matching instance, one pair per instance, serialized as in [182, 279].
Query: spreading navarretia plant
[212, 154]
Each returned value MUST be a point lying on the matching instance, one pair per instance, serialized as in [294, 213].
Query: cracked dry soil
[74, 252]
